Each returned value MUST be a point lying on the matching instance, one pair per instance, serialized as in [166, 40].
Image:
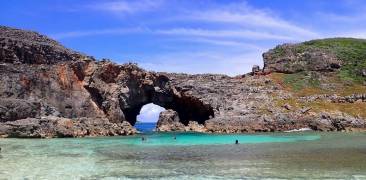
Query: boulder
[169, 121]
[255, 69]
[363, 72]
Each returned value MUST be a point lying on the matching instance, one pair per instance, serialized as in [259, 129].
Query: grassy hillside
[347, 81]
[352, 53]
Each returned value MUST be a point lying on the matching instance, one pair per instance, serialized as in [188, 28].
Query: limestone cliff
[48, 90]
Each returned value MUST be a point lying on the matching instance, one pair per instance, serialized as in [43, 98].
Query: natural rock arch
[120, 91]
[187, 107]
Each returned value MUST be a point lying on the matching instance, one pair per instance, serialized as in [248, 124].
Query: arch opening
[149, 113]
[148, 117]
[188, 108]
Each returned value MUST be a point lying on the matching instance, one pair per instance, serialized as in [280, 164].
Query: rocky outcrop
[13, 109]
[169, 121]
[338, 122]
[55, 81]
[289, 58]
[19, 46]
[49, 91]
[47, 127]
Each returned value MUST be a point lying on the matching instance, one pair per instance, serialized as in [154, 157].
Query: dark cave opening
[187, 107]
[191, 109]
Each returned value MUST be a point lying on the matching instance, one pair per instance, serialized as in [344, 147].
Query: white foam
[299, 130]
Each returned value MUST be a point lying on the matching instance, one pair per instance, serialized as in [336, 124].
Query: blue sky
[192, 36]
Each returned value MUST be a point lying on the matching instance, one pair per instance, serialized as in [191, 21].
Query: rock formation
[169, 121]
[287, 59]
[50, 91]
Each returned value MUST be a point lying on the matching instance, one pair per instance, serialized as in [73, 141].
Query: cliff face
[50, 91]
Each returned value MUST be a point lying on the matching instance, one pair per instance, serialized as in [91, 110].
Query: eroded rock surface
[50, 126]
[287, 59]
[169, 121]
[19, 46]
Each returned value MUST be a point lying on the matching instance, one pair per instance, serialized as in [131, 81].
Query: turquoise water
[190, 139]
[307, 155]
[145, 127]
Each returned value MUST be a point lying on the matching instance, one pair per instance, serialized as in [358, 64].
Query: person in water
[143, 138]
[236, 142]
[175, 137]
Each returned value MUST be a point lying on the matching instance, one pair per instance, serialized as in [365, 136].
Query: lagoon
[300, 155]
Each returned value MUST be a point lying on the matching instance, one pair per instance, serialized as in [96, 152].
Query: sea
[153, 155]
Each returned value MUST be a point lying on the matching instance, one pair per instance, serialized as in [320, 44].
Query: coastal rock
[287, 59]
[13, 109]
[255, 69]
[19, 46]
[47, 127]
[169, 121]
[55, 92]
[194, 126]
[338, 122]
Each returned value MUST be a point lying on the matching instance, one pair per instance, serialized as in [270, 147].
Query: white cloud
[252, 18]
[126, 6]
[230, 63]
[226, 39]
[242, 34]
[115, 31]
[353, 34]
[219, 42]
[149, 113]
[246, 34]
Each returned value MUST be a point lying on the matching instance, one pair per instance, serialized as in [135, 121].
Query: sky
[149, 113]
[191, 36]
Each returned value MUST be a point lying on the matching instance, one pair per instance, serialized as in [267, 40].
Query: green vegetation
[279, 51]
[356, 109]
[352, 52]
[347, 81]
[311, 83]
[301, 80]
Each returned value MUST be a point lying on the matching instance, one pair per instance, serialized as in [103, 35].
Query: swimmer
[236, 142]
[143, 139]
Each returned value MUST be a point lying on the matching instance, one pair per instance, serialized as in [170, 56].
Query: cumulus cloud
[149, 113]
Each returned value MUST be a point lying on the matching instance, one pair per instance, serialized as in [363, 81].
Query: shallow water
[307, 155]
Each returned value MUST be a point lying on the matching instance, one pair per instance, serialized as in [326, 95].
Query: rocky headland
[48, 90]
